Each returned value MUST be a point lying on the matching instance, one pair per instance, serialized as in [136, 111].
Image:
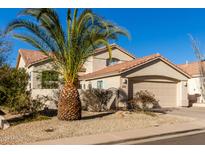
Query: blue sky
[163, 31]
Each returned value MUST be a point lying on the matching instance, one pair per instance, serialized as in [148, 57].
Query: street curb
[151, 136]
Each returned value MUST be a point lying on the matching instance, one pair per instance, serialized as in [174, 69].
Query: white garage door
[163, 91]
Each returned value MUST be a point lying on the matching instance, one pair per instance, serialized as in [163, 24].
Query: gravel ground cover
[92, 123]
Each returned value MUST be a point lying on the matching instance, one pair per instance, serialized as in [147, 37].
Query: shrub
[14, 94]
[143, 101]
[95, 100]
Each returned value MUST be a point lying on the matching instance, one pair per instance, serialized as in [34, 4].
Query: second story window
[112, 61]
[49, 80]
[100, 84]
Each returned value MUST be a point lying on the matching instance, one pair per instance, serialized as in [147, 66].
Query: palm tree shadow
[53, 113]
[98, 115]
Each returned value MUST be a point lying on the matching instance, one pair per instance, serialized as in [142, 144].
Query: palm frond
[84, 33]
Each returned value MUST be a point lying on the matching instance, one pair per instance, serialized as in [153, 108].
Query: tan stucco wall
[89, 65]
[48, 96]
[109, 82]
[21, 63]
[182, 95]
[156, 68]
[99, 60]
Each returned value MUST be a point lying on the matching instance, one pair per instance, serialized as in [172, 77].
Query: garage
[165, 92]
[152, 73]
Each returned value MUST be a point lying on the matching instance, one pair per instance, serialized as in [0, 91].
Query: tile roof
[125, 66]
[31, 56]
[191, 68]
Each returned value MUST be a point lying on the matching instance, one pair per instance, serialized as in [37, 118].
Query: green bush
[143, 101]
[13, 92]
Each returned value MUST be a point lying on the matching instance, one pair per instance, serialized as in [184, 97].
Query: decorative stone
[122, 105]
[49, 129]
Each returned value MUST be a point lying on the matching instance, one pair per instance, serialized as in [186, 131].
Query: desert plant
[84, 33]
[144, 101]
[95, 100]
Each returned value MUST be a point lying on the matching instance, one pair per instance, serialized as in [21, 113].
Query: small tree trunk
[69, 105]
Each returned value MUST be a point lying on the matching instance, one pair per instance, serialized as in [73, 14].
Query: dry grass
[92, 123]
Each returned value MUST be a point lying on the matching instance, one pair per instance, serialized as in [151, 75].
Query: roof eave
[115, 46]
[163, 59]
[102, 76]
[126, 70]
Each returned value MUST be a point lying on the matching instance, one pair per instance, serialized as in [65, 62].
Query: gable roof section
[191, 68]
[31, 57]
[102, 49]
[126, 66]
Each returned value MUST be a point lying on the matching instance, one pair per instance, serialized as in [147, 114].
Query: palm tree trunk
[69, 105]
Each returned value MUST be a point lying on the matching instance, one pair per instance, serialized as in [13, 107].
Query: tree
[200, 59]
[13, 88]
[5, 46]
[84, 33]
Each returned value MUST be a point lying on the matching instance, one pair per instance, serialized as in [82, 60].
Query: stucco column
[182, 94]
[123, 91]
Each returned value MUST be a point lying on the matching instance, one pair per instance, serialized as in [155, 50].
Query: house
[124, 72]
[38, 66]
[195, 82]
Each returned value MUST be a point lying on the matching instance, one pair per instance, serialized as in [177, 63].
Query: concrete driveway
[194, 112]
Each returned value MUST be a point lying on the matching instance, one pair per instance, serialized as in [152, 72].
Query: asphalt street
[195, 139]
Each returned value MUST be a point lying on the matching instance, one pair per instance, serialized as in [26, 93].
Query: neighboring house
[124, 72]
[195, 83]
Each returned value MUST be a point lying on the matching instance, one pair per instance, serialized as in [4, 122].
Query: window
[112, 61]
[100, 84]
[29, 76]
[49, 80]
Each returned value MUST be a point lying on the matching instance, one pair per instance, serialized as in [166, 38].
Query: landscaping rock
[91, 123]
[3, 123]
[122, 105]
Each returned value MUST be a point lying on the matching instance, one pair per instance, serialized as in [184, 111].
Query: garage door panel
[163, 91]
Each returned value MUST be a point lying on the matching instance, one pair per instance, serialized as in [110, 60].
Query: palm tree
[70, 49]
